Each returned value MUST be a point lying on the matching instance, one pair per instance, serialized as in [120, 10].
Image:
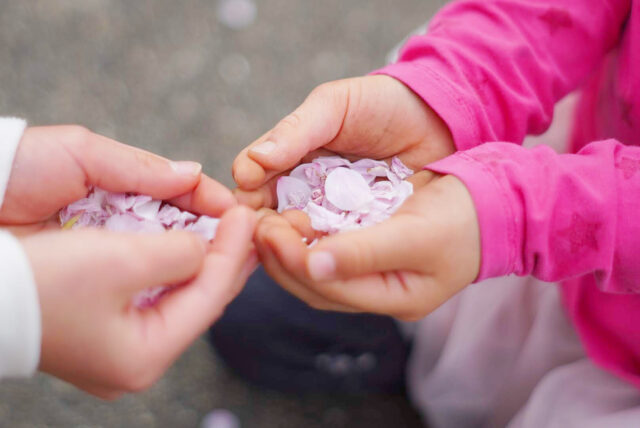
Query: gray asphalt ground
[173, 77]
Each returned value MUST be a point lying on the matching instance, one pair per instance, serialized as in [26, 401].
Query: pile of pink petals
[124, 212]
[340, 195]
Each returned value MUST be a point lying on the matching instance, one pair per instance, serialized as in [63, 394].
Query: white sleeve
[20, 328]
[19, 311]
[11, 130]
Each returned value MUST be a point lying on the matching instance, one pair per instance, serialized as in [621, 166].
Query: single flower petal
[147, 210]
[347, 189]
[322, 219]
[205, 226]
[293, 193]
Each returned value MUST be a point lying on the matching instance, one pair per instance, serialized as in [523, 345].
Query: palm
[45, 178]
[369, 117]
[386, 119]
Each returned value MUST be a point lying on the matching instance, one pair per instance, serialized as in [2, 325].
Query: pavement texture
[198, 80]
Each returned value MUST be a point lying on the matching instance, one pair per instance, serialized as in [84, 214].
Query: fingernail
[322, 265]
[186, 167]
[264, 148]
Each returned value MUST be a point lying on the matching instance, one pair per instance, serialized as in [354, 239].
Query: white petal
[293, 193]
[347, 189]
[205, 226]
[147, 210]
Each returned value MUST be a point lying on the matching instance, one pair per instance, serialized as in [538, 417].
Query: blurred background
[193, 79]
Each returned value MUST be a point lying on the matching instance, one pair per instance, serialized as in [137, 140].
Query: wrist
[496, 213]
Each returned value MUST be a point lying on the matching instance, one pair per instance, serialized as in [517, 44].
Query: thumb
[117, 167]
[160, 259]
[313, 124]
[394, 244]
[189, 311]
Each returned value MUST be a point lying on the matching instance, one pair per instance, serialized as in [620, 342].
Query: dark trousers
[273, 339]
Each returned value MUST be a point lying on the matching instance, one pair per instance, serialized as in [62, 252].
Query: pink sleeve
[493, 69]
[556, 216]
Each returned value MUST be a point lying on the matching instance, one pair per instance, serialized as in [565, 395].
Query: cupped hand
[57, 165]
[374, 117]
[405, 266]
[92, 335]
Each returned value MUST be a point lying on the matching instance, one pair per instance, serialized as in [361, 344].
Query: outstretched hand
[56, 165]
[405, 266]
[92, 334]
[367, 117]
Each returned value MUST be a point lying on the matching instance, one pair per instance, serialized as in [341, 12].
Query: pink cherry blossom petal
[347, 190]
[293, 193]
[322, 219]
[147, 210]
[400, 169]
[122, 212]
[205, 226]
[338, 195]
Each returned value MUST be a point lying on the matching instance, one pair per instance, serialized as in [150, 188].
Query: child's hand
[405, 266]
[93, 337]
[56, 165]
[372, 117]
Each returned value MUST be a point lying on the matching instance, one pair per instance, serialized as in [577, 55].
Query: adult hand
[92, 335]
[57, 165]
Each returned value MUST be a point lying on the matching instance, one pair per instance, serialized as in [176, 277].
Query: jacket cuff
[20, 328]
[495, 210]
[445, 100]
[11, 130]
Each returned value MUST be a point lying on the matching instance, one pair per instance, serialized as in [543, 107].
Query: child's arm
[493, 69]
[556, 216]
[502, 209]
[486, 70]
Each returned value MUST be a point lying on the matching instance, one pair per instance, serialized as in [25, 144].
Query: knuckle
[318, 305]
[292, 121]
[325, 89]
[78, 135]
[363, 257]
[143, 159]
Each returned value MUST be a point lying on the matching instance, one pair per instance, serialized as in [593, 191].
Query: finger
[117, 167]
[312, 125]
[285, 262]
[155, 259]
[185, 314]
[422, 178]
[265, 195]
[396, 243]
[302, 224]
[401, 294]
[100, 391]
[209, 198]
[24, 231]
[262, 197]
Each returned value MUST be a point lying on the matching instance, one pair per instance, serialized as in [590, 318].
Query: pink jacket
[493, 70]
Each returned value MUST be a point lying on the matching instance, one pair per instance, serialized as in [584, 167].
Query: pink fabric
[493, 71]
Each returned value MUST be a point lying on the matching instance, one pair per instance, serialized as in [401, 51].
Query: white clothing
[503, 354]
[20, 329]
